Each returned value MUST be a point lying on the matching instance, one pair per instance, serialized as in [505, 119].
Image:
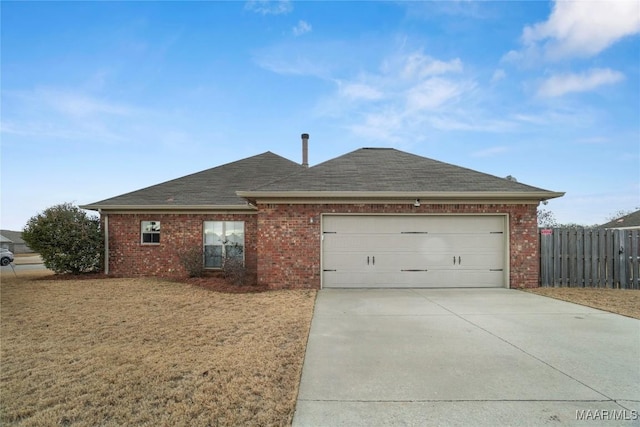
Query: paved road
[467, 357]
[26, 263]
[24, 267]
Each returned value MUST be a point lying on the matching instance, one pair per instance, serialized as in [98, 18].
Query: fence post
[608, 253]
[556, 257]
[596, 262]
[580, 258]
[546, 257]
[587, 258]
[634, 260]
[623, 257]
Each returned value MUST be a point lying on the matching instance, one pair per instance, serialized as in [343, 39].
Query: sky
[102, 98]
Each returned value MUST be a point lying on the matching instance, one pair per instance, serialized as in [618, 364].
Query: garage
[413, 251]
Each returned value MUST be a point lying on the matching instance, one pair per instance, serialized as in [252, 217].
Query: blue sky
[99, 98]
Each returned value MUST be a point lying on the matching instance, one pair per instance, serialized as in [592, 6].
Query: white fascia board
[122, 208]
[394, 195]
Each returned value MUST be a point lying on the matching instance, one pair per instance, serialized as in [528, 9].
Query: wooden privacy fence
[590, 258]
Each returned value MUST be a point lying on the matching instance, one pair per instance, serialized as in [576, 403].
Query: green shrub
[67, 238]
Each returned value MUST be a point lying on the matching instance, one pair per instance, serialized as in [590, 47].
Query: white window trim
[244, 247]
[152, 232]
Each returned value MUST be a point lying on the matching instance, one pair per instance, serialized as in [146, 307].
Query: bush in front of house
[67, 238]
[192, 261]
[234, 271]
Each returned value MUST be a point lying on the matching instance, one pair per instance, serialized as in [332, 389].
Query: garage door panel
[359, 241]
[412, 242]
[416, 279]
[413, 223]
[413, 251]
[344, 261]
[398, 260]
[466, 278]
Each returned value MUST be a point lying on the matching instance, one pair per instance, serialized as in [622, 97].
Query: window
[150, 232]
[222, 240]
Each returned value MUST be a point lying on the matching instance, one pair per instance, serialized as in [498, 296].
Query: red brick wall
[283, 246]
[289, 243]
[179, 232]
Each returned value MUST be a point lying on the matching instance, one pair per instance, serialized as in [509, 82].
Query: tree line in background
[546, 219]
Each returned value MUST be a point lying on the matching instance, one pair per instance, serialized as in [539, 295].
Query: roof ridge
[387, 169]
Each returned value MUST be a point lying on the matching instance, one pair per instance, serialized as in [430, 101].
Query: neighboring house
[627, 222]
[18, 246]
[6, 243]
[375, 217]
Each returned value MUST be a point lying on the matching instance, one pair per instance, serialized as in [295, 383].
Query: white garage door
[413, 251]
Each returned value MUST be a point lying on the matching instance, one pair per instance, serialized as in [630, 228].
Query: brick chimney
[305, 150]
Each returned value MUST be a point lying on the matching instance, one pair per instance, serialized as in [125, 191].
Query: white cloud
[498, 75]
[381, 125]
[79, 104]
[360, 91]
[64, 115]
[303, 57]
[407, 95]
[418, 65]
[561, 84]
[413, 94]
[67, 114]
[268, 7]
[433, 93]
[582, 28]
[302, 28]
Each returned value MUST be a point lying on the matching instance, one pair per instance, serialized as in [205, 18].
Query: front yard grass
[148, 352]
[620, 301]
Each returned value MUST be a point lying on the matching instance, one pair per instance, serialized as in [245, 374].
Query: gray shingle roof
[13, 236]
[387, 170]
[212, 187]
[630, 220]
[364, 171]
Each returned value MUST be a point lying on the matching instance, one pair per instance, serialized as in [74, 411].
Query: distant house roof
[213, 188]
[4, 239]
[13, 236]
[631, 220]
[384, 171]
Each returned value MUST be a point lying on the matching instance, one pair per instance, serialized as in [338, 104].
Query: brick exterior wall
[289, 243]
[282, 245]
[179, 232]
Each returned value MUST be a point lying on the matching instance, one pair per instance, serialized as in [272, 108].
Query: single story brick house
[375, 217]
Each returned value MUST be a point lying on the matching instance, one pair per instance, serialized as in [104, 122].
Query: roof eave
[155, 208]
[398, 195]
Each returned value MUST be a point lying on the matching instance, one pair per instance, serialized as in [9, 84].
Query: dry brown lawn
[148, 352]
[621, 301]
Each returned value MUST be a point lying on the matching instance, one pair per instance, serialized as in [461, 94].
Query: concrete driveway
[463, 357]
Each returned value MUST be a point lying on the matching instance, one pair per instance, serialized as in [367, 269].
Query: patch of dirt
[620, 301]
[220, 284]
[213, 282]
[85, 276]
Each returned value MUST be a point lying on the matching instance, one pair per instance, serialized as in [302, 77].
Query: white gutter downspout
[106, 242]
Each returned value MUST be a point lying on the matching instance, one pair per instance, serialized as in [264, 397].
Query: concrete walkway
[467, 357]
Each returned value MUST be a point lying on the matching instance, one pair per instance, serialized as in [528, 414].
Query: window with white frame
[150, 232]
[223, 240]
